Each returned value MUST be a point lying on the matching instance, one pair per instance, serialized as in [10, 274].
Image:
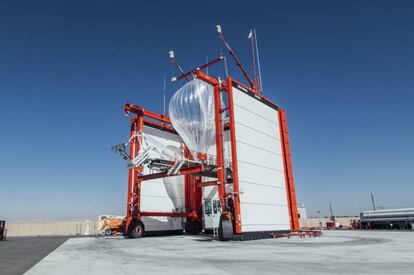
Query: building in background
[302, 211]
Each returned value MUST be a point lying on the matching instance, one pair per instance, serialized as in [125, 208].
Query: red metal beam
[287, 161]
[183, 171]
[211, 63]
[131, 171]
[174, 61]
[219, 148]
[301, 234]
[131, 108]
[232, 53]
[134, 185]
[232, 128]
[210, 80]
[191, 214]
[207, 183]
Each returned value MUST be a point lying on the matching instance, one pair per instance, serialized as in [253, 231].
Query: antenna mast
[172, 57]
[221, 37]
[164, 93]
[207, 63]
[251, 38]
[260, 88]
[373, 201]
[332, 215]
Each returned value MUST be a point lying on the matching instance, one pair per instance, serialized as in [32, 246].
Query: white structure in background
[302, 211]
[87, 228]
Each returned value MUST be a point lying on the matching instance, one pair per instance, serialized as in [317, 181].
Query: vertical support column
[196, 196]
[192, 191]
[187, 179]
[287, 161]
[237, 216]
[131, 171]
[219, 147]
[134, 184]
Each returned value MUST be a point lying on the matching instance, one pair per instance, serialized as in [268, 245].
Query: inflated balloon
[191, 111]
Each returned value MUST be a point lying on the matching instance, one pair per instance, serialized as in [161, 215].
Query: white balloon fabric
[175, 186]
[191, 112]
[175, 190]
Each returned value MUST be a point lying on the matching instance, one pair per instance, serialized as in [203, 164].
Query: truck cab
[211, 208]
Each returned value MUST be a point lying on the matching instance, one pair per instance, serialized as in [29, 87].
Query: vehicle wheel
[193, 227]
[108, 232]
[225, 231]
[136, 229]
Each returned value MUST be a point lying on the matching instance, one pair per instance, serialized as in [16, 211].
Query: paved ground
[336, 252]
[19, 254]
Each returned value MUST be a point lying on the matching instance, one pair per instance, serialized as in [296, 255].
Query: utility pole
[320, 219]
[373, 202]
[332, 215]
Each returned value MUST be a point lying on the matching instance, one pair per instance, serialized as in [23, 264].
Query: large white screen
[263, 200]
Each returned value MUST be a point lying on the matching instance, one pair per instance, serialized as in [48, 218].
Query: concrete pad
[336, 252]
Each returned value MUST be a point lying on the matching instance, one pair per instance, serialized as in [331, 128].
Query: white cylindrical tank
[388, 215]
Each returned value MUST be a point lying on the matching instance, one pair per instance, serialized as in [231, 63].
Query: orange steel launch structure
[193, 184]
[141, 117]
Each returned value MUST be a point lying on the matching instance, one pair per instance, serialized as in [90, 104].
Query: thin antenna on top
[225, 67]
[251, 38]
[258, 62]
[246, 75]
[164, 93]
[207, 62]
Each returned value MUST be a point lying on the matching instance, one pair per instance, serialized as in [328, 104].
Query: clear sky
[344, 71]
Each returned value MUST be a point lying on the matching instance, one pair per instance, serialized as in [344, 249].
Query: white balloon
[191, 111]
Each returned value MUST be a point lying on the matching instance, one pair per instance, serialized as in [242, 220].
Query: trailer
[388, 219]
[220, 162]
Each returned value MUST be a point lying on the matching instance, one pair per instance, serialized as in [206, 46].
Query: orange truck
[110, 224]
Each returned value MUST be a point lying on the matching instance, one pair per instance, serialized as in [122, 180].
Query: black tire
[193, 227]
[136, 229]
[108, 232]
[225, 231]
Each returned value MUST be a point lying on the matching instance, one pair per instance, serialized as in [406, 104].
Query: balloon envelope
[191, 111]
[175, 190]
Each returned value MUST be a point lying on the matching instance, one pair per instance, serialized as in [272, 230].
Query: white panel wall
[263, 200]
[154, 197]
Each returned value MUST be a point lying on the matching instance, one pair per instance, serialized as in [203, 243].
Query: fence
[85, 228]
[317, 222]
[58, 228]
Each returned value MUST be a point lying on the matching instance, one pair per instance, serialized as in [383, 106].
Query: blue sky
[344, 71]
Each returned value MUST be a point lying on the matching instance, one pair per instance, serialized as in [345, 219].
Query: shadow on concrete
[19, 254]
